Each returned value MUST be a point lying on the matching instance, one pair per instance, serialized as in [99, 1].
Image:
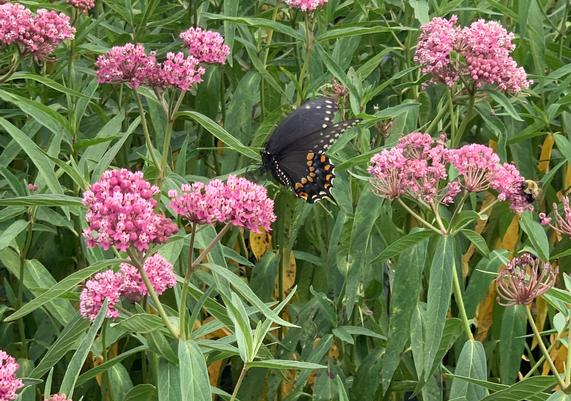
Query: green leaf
[169, 382]
[67, 340]
[512, 342]
[259, 23]
[142, 392]
[403, 244]
[61, 288]
[344, 32]
[438, 298]
[536, 234]
[476, 239]
[36, 154]
[471, 363]
[142, 323]
[559, 396]
[405, 293]
[97, 370]
[78, 359]
[42, 200]
[220, 133]
[10, 233]
[524, 390]
[563, 145]
[238, 284]
[44, 80]
[284, 364]
[503, 101]
[193, 372]
[242, 329]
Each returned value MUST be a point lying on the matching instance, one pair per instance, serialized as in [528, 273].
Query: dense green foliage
[345, 300]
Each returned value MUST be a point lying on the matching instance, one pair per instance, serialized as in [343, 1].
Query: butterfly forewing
[310, 118]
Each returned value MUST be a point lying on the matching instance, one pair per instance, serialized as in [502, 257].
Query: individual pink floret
[159, 271]
[105, 285]
[9, 383]
[206, 46]
[306, 5]
[121, 213]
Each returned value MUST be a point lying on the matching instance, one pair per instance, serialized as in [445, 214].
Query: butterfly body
[295, 153]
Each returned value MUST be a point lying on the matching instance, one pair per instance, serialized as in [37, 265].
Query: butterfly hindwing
[317, 184]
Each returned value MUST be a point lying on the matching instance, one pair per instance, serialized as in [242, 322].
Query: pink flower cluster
[132, 65]
[205, 46]
[82, 5]
[9, 383]
[121, 213]
[418, 167]
[481, 52]
[239, 202]
[158, 270]
[306, 5]
[37, 34]
[127, 282]
[58, 397]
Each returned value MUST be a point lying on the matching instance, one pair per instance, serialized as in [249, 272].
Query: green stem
[563, 29]
[434, 208]
[105, 382]
[308, 50]
[542, 347]
[207, 250]
[168, 134]
[465, 121]
[568, 367]
[453, 120]
[460, 303]
[184, 293]
[20, 296]
[239, 382]
[420, 219]
[162, 313]
[142, 113]
[459, 207]
[491, 205]
[441, 113]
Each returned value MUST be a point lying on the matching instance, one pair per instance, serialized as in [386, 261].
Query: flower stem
[239, 382]
[20, 296]
[542, 347]
[162, 313]
[207, 250]
[142, 113]
[465, 121]
[184, 293]
[308, 50]
[568, 367]
[13, 67]
[432, 126]
[434, 208]
[460, 302]
[420, 219]
[453, 120]
[491, 205]
[168, 134]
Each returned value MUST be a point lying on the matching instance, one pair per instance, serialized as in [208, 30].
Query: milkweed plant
[146, 253]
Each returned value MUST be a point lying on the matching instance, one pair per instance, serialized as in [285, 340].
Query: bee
[530, 190]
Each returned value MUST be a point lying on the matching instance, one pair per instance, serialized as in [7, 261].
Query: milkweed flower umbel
[121, 213]
[205, 46]
[180, 71]
[9, 383]
[238, 201]
[105, 285]
[159, 272]
[476, 164]
[480, 53]
[306, 5]
[128, 64]
[562, 220]
[523, 279]
[82, 5]
[15, 21]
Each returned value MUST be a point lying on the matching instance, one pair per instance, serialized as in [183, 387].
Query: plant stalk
[142, 113]
[460, 303]
[184, 293]
[420, 219]
[239, 382]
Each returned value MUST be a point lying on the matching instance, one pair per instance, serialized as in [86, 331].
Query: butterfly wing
[309, 173]
[311, 117]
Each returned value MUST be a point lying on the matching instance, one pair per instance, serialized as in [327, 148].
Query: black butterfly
[295, 153]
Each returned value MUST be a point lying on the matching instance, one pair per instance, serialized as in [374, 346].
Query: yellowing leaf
[260, 243]
[484, 313]
[288, 277]
[545, 156]
[511, 237]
